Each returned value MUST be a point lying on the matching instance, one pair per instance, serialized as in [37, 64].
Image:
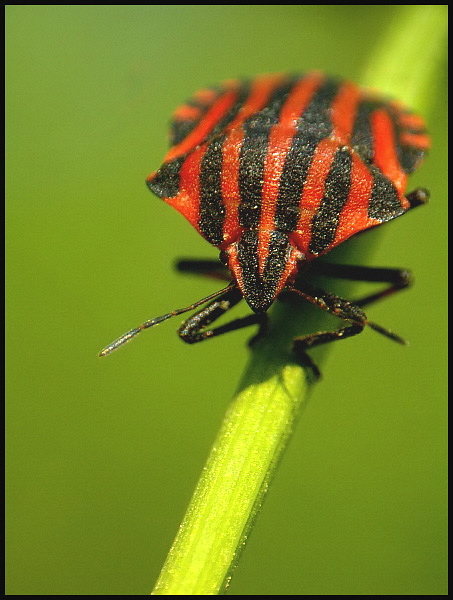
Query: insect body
[275, 172]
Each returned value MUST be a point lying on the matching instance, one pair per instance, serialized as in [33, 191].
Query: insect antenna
[126, 337]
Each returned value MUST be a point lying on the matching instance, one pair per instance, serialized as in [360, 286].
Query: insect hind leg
[302, 344]
[348, 311]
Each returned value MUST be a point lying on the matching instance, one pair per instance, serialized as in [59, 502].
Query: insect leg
[341, 308]
[302, 344]
[398, 279]
[193, 330]
[418, 197]
[210, 268]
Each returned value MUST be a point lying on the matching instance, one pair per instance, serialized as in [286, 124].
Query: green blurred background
[103, 455]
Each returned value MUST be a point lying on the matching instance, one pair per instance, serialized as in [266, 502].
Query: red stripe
[187, 202]
[209, 121]
[297, 101]
[291, 269]
[406, 119]
[287, 275]
[206, 95]
[234, 265]
[230, 185]
[411, 121]
[343, 112]
[187, 113]
[313, 192]
[419, 140]
[354, 216]
[385, 154]
[280, 139]
[260, 91]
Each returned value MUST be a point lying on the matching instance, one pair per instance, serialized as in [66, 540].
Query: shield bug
[275, 172]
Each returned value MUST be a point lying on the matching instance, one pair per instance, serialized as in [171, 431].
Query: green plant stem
[233, 483]
[236, 476]
[261, 417]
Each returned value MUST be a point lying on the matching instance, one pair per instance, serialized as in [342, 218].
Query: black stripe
[180, 128]
[313, 126]
[248, 257]
[409, 156]
[294, 174]
[362, 137]
[315, 122]
[242, 94]
[166, 181]
[212, 208]
[253, 155]
[384, 203]
[251, 176]
[259, 291]
[336, 192]
[279, 252]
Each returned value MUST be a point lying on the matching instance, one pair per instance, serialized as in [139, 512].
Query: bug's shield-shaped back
[287, 165]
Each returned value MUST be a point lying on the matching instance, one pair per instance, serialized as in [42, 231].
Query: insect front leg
[341, 308]
[193, 329]
[302, 344]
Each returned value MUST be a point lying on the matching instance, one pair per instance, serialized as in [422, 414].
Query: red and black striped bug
[275, 172]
